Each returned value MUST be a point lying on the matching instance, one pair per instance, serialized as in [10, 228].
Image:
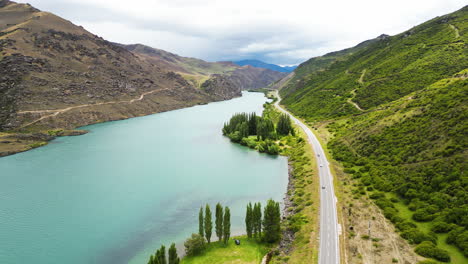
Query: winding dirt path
[353, 92]
[56, 112]
[457, 33]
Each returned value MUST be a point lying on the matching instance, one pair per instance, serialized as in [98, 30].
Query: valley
[356, 156]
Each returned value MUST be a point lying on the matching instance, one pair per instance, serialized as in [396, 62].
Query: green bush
[194, 245]
[405, 225]
[440, 227]
[296, 221]
[429, 250]
[415, 236]
[422, 215]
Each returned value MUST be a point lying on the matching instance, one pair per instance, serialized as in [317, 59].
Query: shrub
[429, 250]
[422, 215]
[194, 245]
[415, 236]
[405, 225]
[350, 171]
[440, 227]
[377, 195]
[296, 222]
[273, 149]
[459, 238]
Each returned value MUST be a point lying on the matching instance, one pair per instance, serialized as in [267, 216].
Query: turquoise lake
[115, 194]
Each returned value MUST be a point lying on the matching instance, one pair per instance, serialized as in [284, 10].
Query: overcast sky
[282, 32]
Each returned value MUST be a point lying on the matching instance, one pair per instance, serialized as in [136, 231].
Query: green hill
[397, 109]
[380, 70]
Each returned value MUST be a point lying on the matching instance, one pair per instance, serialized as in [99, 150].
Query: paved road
[329, 251]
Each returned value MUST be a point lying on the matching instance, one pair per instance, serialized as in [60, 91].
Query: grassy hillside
[381, 71]
[397, 111]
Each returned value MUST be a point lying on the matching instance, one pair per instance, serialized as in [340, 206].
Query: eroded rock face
[13, 68]
[222, 87]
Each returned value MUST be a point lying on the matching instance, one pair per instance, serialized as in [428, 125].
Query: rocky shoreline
[287, 236]
[12, 143]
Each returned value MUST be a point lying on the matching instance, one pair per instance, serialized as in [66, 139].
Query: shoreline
[13, 142]
[22, 142]
[287, 237]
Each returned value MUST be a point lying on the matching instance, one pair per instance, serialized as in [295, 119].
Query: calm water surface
[115, 194]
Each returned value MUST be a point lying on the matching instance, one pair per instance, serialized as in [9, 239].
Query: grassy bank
[250, 251]
[300, 224]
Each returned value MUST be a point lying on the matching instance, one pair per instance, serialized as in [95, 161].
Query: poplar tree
[248, 220]
[160, 257]
[258, 219]
[219, 221]
[226, 225]
[253, 124]
[200, 222]
[173, 258]
[272, 222]
[284, 126]
[151, 260]
[208, 223]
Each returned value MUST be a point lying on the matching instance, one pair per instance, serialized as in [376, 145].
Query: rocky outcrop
[221, 87]
[252, 78]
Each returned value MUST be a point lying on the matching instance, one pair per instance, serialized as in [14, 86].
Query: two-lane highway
[329, 251]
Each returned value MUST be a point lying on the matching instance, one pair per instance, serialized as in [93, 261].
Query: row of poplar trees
[222, 223]
[160, 256]
[269, 228]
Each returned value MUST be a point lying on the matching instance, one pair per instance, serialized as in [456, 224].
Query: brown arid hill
[198, 71]
[55, 75]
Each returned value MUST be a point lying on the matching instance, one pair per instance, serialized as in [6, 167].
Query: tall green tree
[219, 221]
[284, 126]
[272, 222]
[151, 260]
[257, 220]
[253, 124]
[208, 224]
[160, 257]
[201, 220]
[226, 225]
[248, 220]
[265, 129]
[173, 258]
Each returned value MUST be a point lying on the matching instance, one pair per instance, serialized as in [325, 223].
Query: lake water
[115, 194]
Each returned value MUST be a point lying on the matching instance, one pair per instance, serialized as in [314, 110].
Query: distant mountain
[199, 72]
[261, 64]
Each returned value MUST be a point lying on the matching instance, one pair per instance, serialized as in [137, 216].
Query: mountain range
[58, 75]
[261, 64]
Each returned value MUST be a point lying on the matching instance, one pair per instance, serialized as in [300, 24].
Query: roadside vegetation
[407, 149]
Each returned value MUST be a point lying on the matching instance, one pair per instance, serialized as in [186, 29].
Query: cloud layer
[282, 32]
